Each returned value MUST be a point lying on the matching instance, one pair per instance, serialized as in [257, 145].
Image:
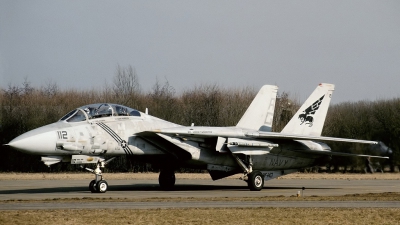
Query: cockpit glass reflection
[77, 117]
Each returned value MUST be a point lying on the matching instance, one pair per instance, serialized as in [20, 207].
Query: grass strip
[386, 196]
[342, 216]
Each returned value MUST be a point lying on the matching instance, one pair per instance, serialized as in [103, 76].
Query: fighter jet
[97, 133]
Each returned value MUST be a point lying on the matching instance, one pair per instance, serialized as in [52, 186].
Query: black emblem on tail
[307, 116]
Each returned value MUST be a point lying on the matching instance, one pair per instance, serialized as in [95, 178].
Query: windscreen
[95, 111]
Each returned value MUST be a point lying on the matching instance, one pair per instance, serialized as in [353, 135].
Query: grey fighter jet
[93, 133]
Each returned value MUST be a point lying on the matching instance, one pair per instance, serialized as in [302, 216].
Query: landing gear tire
[166, 180]
[98, 185]
[255, 181]
[102, 186]
[92, 186]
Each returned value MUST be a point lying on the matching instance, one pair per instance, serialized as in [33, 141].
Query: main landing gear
[166, 179]
[254, 179]
[98, 185]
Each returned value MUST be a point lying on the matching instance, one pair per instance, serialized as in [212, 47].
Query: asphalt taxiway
[189, 188]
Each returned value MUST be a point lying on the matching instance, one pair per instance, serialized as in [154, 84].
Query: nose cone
[39, 141]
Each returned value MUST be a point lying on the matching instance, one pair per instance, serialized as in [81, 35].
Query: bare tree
[126, 86]
[285, 108]
[164, 103]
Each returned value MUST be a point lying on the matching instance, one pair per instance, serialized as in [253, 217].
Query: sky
[292, 44]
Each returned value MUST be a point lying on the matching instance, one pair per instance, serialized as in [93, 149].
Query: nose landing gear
[98, 185]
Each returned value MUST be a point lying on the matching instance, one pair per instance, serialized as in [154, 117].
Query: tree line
[24, 107]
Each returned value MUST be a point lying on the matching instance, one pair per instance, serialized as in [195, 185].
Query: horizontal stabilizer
[272, 135]
[339, 154]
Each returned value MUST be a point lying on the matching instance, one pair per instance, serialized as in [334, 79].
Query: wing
[165, 144]
[233, 132]
[201, 134]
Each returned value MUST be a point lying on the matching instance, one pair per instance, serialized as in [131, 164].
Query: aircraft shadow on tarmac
[147, 187]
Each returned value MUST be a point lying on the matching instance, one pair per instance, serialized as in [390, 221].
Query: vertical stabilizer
[310, 118]
[260, 114]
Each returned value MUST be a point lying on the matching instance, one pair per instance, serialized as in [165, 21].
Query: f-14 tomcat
[93, 133]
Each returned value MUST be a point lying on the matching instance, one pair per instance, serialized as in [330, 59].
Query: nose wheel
[92, 186]
[98, 185]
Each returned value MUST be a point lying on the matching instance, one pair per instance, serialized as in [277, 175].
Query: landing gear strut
[166, 179]
[98, 185]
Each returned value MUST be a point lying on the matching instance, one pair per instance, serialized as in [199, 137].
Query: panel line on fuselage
[117, 138]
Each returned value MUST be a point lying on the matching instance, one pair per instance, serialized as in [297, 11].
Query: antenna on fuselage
[147, 111]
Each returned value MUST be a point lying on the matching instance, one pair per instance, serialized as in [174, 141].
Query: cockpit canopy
[94, 111]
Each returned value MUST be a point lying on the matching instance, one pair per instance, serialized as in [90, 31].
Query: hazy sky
[293, 44]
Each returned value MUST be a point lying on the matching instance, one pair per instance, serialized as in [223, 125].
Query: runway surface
[188, 188]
